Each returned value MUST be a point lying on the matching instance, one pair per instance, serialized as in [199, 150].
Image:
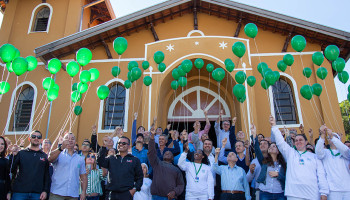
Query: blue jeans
[25, 196]
[93, 198]
[272, 196]
[155, 197]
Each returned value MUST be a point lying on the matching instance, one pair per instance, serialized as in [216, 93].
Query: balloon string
[172, 125]
[187, 116]
[71, 90]
[14, 105]
[219, 97]
[329, 102]
[107, 102]
[85, 95]
[133, 105]
[234, 103]
[226, 84]
[3, 72]
[59, 124]
[138, 107]
[158, 94]
[251, 112]
[206, 102]
[144, 107]
[243, 113]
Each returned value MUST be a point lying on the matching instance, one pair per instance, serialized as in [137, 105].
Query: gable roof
[144, 19]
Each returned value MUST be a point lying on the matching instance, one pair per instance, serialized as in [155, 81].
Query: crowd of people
[164, 164]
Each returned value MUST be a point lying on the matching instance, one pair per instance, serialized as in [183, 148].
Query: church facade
[181, 29]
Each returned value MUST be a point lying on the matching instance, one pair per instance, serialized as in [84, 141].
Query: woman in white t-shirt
[145, 193]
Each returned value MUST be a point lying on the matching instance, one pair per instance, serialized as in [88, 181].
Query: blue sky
[333, 14]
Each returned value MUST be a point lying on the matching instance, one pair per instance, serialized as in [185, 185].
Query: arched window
[114, 108]
[284, 103]
[42, 19]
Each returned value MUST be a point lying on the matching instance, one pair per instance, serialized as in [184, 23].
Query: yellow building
[181, 29]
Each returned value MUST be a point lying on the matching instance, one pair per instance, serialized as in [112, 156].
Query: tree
[345, 110]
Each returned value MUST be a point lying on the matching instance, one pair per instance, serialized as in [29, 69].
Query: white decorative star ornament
[170, 47]
[223, 45]
[196, 43]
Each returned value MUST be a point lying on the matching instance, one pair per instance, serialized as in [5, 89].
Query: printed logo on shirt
[42, 159]
[129, 161]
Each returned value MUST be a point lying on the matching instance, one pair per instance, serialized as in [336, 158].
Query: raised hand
[93, 129]
[253, 130]
[152, 132]
[234, 121]
[135, 115]
[168, 126]
[252, 168]
[217, 151]
[246, 144]
[301, 128]
[186, 148]
[329, 133]
[322, 130]
[311, 133]
[272, 121]
[224, 141]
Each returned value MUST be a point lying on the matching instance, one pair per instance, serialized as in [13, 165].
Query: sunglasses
[91, 156]
[36, 136]
[123, 143]
[87, 145]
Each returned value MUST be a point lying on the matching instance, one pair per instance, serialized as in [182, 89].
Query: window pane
[284, 103]
[23, 110]
[114, 107]
[42, 19]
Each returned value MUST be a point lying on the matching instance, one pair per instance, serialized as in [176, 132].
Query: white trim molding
[126, 109]
[297, 102]
[10, 113]
[198, 113]
[33, 17]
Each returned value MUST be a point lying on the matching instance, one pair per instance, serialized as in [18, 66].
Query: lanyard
[195, 169]
[301, 153]
[333, 153]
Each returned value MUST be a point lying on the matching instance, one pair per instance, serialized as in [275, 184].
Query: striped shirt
[94, 182]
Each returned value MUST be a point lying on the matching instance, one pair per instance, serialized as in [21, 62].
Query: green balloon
[130, 77]
[238, 48]
[317, 89]
[317, 58]
[298, 43]
[251, 30]
[199, 63]
[94, 74]
[264, 84]
[56, 86]
[4, 87]
[78, 110]
[251, 81]
[227, 60]
[52, 94]
[72, 68]
[218, 74]
[270, 77]
[241, 100]
[32, 62]
[339, 64]
[348, 96]
[181, 72]
[182, 81]
[115, 71]
[265, 71]
[85, 76]
[210, 67]
[102, 92]
[145, 65]
[75, 96]
[161, 67]
[230, 66]
[174, 85]
[19, 66]
[331, 52]
[8, 52]
[281, 65]
[262, 66]
[82, 87]
[54, 65]
[132, 64]
[175, 74]
[136, 73]
[343, 76]
[74, 86]
[277, 76]
[240, 77]
[187, 65]
[18, 54]
[147, 80]
[288, 59]
[349, 89]
[9, 67]
[120, 44]
[127, 84]
[239, 91]
[158, 57]
[306, 92]
[307, 72]
[322, 73]
[83, 56]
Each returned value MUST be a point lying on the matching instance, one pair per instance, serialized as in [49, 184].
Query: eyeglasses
[36, 136]
[123, 143]
[87, 145]
[91, 156]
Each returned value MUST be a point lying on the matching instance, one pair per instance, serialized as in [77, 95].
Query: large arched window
[22, 108]
[114, 109]
[114, 112]
[284, 103]
[41, 18]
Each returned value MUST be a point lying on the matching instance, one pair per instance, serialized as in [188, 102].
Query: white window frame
[126, 109]
[9, 115]
[297, 102]
[33, 18]
[198, 113]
